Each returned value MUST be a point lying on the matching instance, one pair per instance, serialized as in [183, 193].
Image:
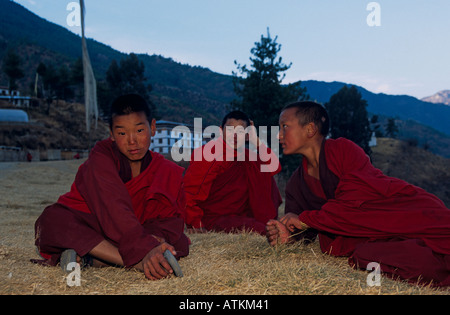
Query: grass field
[219, 264]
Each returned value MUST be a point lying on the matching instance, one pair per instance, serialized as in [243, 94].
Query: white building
[169, 134]
[373, 140]
[14, 97]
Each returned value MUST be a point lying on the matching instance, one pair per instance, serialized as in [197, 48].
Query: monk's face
[133, 134]
[292, 136]
[234, 133]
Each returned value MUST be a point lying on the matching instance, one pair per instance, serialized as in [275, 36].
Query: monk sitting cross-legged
[127, 204]
[228, 188]
[356, 210]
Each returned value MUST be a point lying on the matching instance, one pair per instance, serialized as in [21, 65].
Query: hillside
[182, 92]
[415, 165]
[403, 107]
[63, 128]
[425, 136]
[422, 121]
[178, 90]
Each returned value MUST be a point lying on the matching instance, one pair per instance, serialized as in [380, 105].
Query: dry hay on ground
[219, 263]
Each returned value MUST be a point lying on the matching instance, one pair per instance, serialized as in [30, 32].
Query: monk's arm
[197, 184]
[108, 199]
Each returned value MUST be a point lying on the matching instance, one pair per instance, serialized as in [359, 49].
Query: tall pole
[90, 86]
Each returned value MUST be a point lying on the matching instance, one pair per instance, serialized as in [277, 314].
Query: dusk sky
[328, 40]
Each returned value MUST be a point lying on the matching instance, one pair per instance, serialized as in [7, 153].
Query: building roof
[13, 115]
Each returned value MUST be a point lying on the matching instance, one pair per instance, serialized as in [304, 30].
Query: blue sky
[327, 40]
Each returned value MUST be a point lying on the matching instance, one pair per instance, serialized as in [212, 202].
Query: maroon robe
[371, 217]
[106, 203]
[230, 195]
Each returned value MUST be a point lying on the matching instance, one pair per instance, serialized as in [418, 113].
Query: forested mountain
[182, 92]
[422, 122]
[179, 91]
[403, 107]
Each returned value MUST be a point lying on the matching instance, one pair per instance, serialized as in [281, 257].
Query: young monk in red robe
[126, 206]
[227, 188]
[355, 209]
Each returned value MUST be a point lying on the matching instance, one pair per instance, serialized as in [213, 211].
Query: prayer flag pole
[90, 86]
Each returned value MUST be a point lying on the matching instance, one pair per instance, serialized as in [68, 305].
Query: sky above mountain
[392, 47]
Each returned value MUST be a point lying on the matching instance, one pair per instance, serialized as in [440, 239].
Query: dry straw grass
[219, 264]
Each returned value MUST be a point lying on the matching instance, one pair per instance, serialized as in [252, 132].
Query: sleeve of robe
[108, 199]
[292, 206]
[358, 183]
[197, 185]
[162, 208]
[370, 204]
[201, 174]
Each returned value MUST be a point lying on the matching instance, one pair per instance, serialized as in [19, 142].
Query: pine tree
[12, 68]
[260, 91]
[124, 77]
[391, 128]
[349, 117]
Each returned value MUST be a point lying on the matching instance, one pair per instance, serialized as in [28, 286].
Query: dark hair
[128, 104]
[307, 112]
[236, 114]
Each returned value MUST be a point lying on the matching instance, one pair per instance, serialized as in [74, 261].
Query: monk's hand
[292, 222]
[277, 233]
[155, 265]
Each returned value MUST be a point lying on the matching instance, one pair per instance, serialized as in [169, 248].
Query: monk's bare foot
[92, 262]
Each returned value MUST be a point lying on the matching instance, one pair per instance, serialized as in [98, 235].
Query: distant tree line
[65, 81]
[12, 68]
[51, 82]
[59, 82]
[124, 77]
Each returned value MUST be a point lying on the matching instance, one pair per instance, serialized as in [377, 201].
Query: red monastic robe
[106, 203]
[232, 195]
[371, 217]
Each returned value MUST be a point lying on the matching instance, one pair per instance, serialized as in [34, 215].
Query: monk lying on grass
[356, 210]
[126, 206]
